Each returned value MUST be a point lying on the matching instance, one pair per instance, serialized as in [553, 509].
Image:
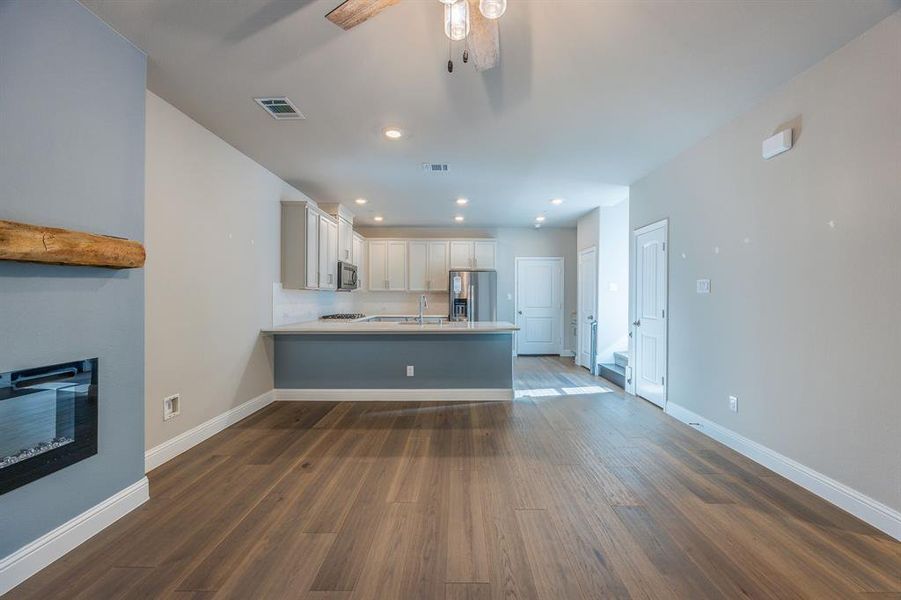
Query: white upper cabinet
[484, 254]
[359, 260]
[345, 240]
[397, 265]
[312, 245]
[437, 267]
[300, 246]
[378, 265]
[357, 250]
[461, 254]
[418, 252]
[328, 253]
[468, 254]
[387, 265]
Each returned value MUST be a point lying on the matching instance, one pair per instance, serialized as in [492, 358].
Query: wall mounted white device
[777, 144]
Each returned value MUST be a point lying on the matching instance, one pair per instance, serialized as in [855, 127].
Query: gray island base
[373, 365]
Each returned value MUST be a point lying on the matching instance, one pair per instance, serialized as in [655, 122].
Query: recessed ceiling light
[557, 201]
[379, 219]
[462, 201]
[539, 218]
[458, 218]
[537, 225]
[393, 133]
[361, 201]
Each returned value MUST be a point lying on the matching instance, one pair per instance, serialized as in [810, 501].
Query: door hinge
[663, 313]
[664, 246]
[663, 381]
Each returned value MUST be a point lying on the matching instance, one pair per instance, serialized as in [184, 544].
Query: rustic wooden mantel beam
[33, 243]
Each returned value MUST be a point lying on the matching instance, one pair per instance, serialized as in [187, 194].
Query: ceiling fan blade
[483, 39]
[353, 12]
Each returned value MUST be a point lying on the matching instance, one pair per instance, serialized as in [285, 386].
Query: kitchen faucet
[423, 304]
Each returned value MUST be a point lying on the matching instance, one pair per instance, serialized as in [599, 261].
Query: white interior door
[649, 327]
[539, 305]
[588, 303]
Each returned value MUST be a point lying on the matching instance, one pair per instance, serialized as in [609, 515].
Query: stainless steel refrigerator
[472, 295]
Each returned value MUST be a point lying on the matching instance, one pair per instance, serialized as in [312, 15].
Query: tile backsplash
[293, 306]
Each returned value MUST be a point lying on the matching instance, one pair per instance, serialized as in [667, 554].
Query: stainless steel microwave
[347, 276]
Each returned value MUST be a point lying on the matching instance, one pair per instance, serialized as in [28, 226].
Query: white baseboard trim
[863, 507]
[396, 395]
[190, 438]
[31, 558]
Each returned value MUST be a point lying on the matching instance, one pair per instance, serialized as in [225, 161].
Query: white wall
[211, 230]
[613, 281]
[802, 322]
[607, 230]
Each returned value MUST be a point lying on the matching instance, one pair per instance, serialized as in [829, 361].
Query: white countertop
[367, 326]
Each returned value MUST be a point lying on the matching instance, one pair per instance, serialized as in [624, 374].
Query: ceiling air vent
[435, 167]
[280, 108]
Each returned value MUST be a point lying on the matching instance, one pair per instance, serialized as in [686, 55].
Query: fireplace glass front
[48, 420]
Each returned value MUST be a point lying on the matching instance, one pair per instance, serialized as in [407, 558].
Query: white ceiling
[589, 95]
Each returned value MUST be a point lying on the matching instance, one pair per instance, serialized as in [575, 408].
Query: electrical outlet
[703, 286]
[733, 404]
[409, 370]
[171, 406]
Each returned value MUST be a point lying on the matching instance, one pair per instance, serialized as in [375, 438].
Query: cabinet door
[362, 276]
[461, 255]
[357, 251]
[437, 278]
[323, 253]
[312, 249]
[378, 265]
[332, 255]
[418, 262]
[345, 241]
[484, 254]
[397, 265]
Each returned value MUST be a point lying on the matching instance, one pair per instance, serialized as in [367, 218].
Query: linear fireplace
[48, 420]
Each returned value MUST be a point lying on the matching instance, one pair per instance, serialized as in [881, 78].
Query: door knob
[519, 312]
[591, 317]
[637, 323]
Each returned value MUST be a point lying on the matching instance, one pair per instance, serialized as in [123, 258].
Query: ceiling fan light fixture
[456, 20]
[492, 9]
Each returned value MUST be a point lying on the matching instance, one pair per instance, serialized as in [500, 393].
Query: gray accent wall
[350, 361]
[72, 155]
[802, 322]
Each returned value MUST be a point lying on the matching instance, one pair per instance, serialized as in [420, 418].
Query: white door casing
[539, 305]
[649, 328]
[588, 303]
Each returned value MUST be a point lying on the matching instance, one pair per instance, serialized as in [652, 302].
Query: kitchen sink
[424, 322]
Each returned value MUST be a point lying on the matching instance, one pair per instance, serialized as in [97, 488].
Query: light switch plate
[733, 404]
[409, 370]
[703, 286]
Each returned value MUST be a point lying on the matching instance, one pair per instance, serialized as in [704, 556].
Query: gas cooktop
[343, 316]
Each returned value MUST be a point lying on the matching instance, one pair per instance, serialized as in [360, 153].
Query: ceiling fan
[474, 21]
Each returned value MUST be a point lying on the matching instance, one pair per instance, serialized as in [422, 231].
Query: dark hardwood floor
[571, 491]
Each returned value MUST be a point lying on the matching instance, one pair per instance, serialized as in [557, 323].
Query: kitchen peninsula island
[394, 358]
